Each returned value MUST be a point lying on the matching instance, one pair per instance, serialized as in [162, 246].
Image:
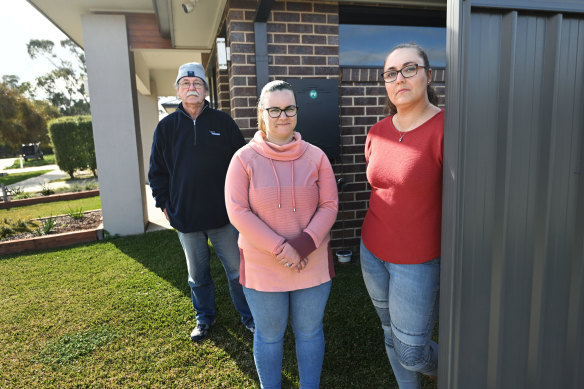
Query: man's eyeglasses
[407, 71]
[289, 111]
[186, 84]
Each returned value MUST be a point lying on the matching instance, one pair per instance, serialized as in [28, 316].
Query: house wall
[303, 42]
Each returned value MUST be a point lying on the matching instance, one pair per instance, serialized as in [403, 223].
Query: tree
[64, 84]
[22, 120]
[13, 82]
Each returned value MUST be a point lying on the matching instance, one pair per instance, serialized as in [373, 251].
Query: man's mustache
[192, 93]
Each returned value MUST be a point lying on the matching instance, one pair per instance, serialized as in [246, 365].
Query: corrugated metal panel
[512, 313]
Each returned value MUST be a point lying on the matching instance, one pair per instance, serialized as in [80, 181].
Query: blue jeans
[406, 298]
[197, 253]
[270, 311]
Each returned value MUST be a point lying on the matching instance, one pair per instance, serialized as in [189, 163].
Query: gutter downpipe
[261, 43]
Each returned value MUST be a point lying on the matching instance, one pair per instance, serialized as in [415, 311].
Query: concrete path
[5, 162]
[36, 184]
[156, 219]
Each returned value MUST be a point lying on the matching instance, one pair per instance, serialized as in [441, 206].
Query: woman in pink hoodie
[281, 195]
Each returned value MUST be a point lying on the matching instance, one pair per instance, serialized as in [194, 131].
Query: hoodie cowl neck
[288, 152]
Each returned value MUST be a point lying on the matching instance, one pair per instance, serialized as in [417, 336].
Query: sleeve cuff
[303, 244]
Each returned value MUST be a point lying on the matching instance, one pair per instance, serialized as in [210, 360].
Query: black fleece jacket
[188, 163]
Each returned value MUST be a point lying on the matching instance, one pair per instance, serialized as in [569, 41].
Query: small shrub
[46, 190]
[22, 196]
[91, 185]
[5, 231]
[47, 225]
[76, 187]
[9, 227]
[14, 190]
[76, 213]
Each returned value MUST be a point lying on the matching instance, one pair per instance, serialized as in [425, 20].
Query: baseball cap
[192, 69]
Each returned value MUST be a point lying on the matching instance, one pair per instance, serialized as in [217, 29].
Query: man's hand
[166, 215]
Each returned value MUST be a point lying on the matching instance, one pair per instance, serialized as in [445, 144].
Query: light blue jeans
[406, 298]
[197, 253]
[271, 310]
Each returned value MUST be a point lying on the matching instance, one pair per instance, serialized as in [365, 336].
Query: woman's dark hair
[389, 108]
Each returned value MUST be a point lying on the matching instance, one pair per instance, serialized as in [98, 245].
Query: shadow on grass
[355, 354]
[162, 254]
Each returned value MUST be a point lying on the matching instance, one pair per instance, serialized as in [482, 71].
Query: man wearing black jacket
[191, 151]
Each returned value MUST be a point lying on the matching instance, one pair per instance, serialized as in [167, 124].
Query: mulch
[63, 223]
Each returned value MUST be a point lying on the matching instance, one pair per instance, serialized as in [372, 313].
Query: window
[367, 34]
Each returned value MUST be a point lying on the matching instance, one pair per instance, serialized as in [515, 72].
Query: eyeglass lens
[407, 72]
[289, 111]
[186, 84]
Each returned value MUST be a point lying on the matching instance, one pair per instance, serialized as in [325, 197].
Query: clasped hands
[289, 257]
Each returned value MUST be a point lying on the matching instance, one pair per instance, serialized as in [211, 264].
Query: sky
[19, 23]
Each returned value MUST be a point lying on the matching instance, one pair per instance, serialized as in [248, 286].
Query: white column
[116, 127]
[148, 120]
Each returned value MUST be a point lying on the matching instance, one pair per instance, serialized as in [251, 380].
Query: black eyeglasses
[407, 71]
[289, 111]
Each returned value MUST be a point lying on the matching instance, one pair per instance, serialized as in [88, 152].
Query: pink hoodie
[276, 194]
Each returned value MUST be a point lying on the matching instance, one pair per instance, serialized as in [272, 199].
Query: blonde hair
[271, 86]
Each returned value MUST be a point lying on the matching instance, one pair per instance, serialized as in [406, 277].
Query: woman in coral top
[281, 195]
[400, 238]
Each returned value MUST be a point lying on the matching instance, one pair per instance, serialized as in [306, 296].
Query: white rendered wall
[114, 112]
[148, 120]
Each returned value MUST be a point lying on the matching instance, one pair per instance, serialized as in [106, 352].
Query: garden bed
[65, 231]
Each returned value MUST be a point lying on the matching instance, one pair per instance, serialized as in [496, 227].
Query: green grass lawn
[13, 178]
[118, 314]
[55, 208]
[48, 159]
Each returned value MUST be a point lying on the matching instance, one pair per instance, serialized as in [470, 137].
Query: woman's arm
[239, 210]
[325, 215]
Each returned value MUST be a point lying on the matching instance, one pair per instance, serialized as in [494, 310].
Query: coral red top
[403, 222]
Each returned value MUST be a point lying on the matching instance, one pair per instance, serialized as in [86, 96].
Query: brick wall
[223, 101]
[303, 42]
